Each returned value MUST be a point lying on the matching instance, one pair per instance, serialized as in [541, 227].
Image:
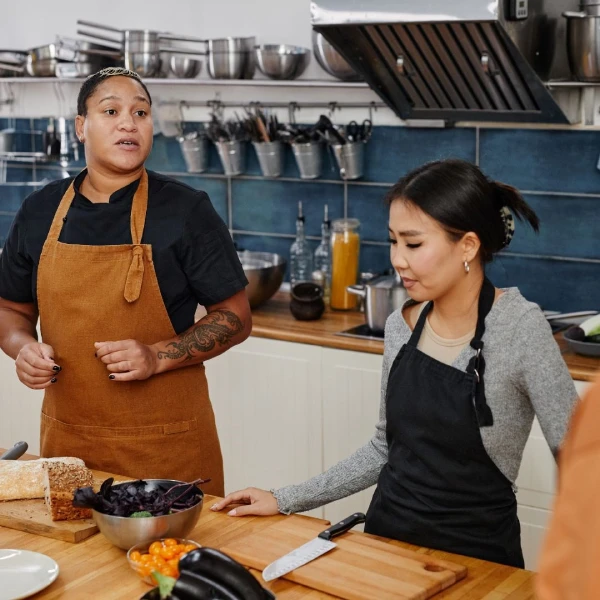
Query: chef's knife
[311, 550]
[15, 452]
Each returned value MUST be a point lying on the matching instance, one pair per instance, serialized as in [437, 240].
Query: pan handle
[109, 53]
[181, 51]
[97, 36]
[180, 38]
[98, 26]
[9, 67]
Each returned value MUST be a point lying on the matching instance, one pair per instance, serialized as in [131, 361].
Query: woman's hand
[127, 360]
[36, 367]
[257, 502]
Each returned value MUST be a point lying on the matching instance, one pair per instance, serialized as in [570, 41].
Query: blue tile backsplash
[559, 268]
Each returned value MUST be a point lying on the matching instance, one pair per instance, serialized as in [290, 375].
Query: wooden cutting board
[32, 516]
[362, 567]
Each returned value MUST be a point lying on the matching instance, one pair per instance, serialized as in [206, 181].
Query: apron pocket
[121, 432]
[179, 450]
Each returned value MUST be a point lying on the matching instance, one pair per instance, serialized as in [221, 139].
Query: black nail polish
[53, 380]
[56, 368]
[111, 376]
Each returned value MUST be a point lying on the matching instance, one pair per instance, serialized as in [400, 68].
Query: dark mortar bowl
[307, 302]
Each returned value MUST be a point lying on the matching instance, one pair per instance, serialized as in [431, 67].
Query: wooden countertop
[273, 320]
[96, 569]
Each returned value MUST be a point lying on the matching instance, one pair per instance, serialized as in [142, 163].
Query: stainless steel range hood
[467, 60]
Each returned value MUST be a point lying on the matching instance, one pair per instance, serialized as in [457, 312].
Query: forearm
[16, 330]
[349, 476]
[212, 335]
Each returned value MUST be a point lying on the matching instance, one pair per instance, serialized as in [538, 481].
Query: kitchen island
[94, 568]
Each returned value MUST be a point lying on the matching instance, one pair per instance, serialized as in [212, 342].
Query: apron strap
[59, 215]
[418, 330]
[476, 365]
[135, 275]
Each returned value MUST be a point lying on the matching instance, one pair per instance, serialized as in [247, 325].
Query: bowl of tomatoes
[159, 555]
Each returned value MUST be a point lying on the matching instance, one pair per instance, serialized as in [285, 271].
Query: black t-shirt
[193, 253]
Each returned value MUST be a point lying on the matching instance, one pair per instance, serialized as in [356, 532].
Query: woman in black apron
[438, 485]
[439, 488]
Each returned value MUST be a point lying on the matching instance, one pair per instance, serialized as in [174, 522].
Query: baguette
[24, 479]
[60, 481]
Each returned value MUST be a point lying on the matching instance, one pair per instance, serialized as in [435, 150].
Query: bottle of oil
[323, 257]
[301, 258]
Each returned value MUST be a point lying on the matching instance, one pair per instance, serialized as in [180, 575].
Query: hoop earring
[467, 267]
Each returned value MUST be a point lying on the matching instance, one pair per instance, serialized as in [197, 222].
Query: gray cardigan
[525, 376]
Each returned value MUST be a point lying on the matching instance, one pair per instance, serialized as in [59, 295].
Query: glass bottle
[323, 257]
[345, 253]
[301, 258]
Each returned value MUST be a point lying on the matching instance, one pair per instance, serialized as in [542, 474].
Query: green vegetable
[591, 326]
[593, 338]
[141, 513]
[165, 584]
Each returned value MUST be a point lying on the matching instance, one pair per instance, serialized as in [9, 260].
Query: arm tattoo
[218, 326]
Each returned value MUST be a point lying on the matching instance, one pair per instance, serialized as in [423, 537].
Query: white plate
[24, 573]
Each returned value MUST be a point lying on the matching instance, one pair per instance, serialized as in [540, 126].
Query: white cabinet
[20, 408]
[351, 383]
[267, 400]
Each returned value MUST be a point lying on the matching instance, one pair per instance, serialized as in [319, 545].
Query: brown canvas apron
[163, 427]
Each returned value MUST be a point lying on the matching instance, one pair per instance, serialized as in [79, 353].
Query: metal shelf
[295, 83]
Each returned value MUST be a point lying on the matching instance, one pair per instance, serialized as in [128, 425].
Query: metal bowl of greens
[133, 512]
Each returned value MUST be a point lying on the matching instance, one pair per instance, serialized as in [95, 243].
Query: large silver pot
[382, 296]
[231, 58]
[583, 43]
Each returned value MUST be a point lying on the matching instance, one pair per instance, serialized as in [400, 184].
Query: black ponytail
[461, 198]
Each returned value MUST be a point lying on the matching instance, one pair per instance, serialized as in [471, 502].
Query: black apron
[439, 488]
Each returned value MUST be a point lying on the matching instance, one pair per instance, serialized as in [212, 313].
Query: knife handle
[15, 452]
[346, 525]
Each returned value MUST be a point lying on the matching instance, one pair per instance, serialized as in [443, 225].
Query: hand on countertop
[36, 367]
[127, 360]
[255, 501]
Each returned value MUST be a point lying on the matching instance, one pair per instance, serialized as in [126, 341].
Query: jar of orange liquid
[345, 251]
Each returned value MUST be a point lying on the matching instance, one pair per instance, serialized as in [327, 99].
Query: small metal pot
[583, 45]
[382, 296]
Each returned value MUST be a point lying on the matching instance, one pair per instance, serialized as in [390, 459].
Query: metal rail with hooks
[293, 107]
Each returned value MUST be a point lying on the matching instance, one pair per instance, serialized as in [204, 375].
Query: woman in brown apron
[124, 391]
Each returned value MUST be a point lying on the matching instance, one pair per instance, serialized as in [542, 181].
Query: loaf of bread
[24, 479]
[61, 480]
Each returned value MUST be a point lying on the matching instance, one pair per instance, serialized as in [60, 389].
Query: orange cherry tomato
[135, 556]
[170, 542]
[190, 547]
[167, 552]
[155, 547]
[169, 571]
